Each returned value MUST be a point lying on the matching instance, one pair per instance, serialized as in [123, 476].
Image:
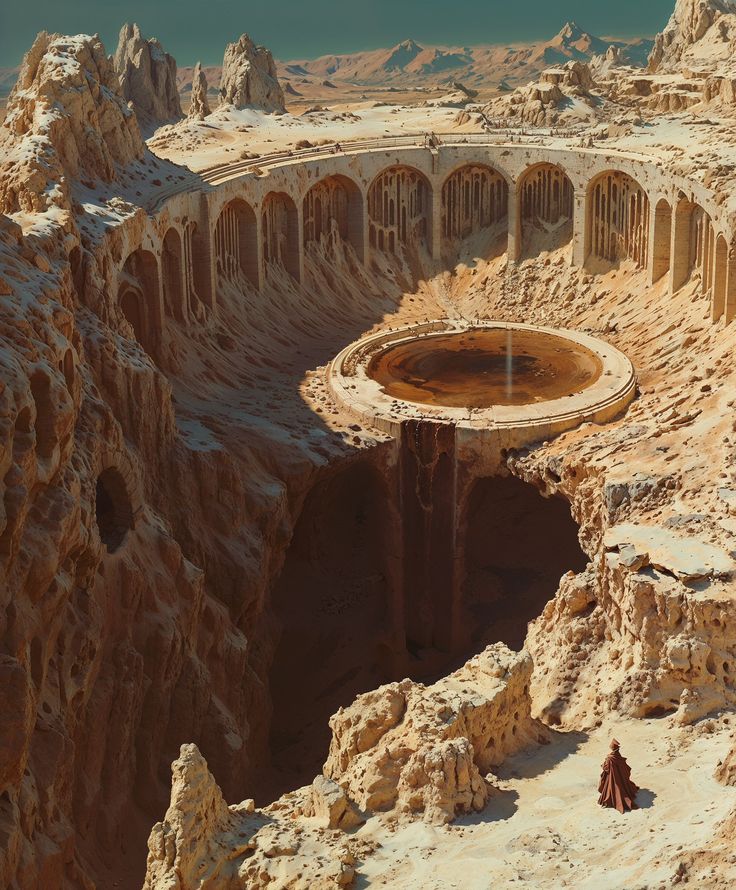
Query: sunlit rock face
[199, 106]
[147, 77]
[249, 78]
[698, 31]
[66, 120]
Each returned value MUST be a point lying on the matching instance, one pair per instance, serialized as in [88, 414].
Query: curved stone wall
[622, 207]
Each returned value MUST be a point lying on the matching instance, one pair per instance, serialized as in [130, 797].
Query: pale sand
[546, 830]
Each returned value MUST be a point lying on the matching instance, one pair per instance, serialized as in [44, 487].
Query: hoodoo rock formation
[66, 121]
[147, 77]
[249, 78]
[199, 106]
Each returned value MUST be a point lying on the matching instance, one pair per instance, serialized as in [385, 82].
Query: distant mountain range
[408, 64]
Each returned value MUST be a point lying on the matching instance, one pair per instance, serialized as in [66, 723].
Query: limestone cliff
[66, 119]
[249, 77]
[147, 77]
[699, 32]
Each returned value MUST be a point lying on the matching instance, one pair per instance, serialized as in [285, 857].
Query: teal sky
[199, 29]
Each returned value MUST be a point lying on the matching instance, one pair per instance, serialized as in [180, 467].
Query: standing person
[615, 787]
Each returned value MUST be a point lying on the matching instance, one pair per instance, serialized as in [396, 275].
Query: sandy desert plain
[368, 462]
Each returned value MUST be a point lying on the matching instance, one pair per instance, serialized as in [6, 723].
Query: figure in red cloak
[616, 788]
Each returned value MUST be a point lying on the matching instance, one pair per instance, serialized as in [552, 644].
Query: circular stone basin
[512, 383]
[486, 367]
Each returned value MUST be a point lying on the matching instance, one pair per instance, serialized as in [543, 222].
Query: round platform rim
[362, 397]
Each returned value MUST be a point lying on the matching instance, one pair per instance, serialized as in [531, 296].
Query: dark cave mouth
[345, 620]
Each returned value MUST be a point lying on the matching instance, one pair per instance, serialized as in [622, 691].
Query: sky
[195, 30]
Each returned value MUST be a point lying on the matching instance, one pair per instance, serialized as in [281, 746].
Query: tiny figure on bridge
[616, 788]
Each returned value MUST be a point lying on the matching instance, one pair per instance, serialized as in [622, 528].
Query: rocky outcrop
[147, 77]
[698, 30]
[66, 119]
[202, 842]
[199, 106]
[192, 828]
[249, 78]
[560, 93]
[412, 749]
[404, 748]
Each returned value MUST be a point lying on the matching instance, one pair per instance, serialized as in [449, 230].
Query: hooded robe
[616, 788]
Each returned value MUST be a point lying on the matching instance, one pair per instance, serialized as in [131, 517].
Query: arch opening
[113, 508]
[546, 208]
[720, 278]
[399, 209]
[518, 545]
[139, 299]
[281, 233]
[236, 243]
[333, 208]
[172, 275]
[661, 246]
[474, 198]
[618, 219]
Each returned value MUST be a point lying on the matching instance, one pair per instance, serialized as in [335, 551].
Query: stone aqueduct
[612, 206]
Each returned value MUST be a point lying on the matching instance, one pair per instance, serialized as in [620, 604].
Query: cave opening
[518, 545]
[113, 509]
[341, 622]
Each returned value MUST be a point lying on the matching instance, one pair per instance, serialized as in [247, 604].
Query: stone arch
[702, 247]
[661, 239]
[334, 205]
[236, 242]
[399, 209]
[281, 233]
[546, 197]
[617, 219]
[720, 277]
[172, 273]
[196, 271]
[474, 197]
[693, 245]
[139, 297]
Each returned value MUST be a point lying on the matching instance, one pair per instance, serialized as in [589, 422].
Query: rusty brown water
[484, 367]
